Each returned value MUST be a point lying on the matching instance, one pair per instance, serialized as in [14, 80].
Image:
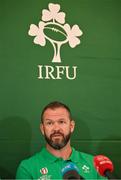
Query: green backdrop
[94, 96]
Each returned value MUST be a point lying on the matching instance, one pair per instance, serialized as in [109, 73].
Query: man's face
[57, 127]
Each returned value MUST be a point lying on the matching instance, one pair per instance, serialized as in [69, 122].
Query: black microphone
[104, 166]
[71, 171]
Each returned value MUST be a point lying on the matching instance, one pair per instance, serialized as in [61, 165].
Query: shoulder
[27, 167]
[89, 158]
[86, 162]
[32, 159]
[84, 156]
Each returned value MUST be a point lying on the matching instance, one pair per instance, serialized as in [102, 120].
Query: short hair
[55, 105]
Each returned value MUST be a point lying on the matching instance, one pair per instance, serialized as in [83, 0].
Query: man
[56, 126]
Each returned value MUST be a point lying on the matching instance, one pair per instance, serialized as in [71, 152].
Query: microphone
[104, 166]
[71, 171]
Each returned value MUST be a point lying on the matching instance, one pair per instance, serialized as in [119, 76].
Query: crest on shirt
[44, 177]
[86, 169]
[44, 171]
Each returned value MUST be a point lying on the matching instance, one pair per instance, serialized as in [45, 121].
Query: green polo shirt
[45, 166]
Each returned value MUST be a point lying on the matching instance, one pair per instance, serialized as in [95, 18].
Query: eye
[61, 122]
[48, 123]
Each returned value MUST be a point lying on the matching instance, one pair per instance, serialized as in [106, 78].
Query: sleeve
[23, 172]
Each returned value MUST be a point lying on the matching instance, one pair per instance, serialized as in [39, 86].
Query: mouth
[57, 135]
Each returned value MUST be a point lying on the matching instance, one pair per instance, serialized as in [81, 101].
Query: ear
[72, 125]
[42, 128]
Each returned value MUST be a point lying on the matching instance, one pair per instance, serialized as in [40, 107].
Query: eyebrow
[48, 120]
[53, 120]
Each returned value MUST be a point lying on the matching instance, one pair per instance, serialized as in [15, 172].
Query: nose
[56, 127]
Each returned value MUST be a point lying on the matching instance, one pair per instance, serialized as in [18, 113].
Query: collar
[74, 157]
[48, 156]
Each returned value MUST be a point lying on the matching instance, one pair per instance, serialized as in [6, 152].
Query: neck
[64, 153]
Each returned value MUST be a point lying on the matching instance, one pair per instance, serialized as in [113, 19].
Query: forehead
[56, 113]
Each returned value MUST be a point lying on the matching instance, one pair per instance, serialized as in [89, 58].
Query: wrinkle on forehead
[59, 113]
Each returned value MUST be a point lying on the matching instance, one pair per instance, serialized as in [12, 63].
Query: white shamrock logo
[54, 20]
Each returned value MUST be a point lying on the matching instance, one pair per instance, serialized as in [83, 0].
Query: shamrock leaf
[72, 34]
[38, 32]
[53, 13]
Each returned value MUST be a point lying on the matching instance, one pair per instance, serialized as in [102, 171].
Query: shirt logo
[86, 169]
[44, 177]
[44, 171]
[52, 27]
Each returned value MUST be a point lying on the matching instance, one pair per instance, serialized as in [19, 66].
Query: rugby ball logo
[53, 23]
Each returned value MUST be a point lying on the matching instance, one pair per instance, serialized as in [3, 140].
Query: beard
[58, 142]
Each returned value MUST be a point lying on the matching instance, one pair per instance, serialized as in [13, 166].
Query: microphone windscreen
[103, 164]
[70, 171]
